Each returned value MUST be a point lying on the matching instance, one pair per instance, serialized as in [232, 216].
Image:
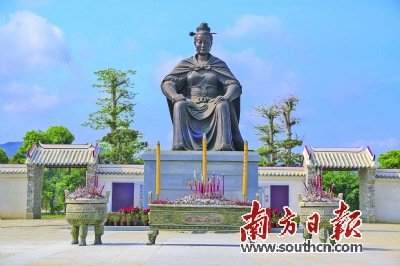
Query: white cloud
[246, 65]
[166, 63]
[387, 144]
[29, 42]
[253, 25]
[261, 82]
[19, 98]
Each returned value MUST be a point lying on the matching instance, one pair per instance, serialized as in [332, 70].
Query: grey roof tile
[62, 155]
[340, 158]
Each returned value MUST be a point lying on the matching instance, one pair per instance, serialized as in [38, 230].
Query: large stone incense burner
[80, 213]
[186, 217]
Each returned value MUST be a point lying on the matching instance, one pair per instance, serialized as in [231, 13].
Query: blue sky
[341, 58]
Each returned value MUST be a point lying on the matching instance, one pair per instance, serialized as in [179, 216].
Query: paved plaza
[47, 242]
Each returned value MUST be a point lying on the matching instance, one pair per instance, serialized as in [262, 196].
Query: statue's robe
[200, 114]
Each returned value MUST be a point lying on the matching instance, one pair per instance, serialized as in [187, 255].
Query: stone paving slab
[47, 242]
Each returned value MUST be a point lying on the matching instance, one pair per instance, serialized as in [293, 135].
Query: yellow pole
[245, 170]
[204, 166]
[158, 170]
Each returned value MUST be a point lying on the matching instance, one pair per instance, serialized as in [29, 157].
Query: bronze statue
[204, 98]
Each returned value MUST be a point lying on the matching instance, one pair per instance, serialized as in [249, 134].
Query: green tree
[116, 113]
[267, 134]
[345, 182]
[116, 109]
[28, 140]
[288, 106]
[17, 158]
[53, 135]
[3, 156]
[125, 145]
[49, 192]
[55, 181]
[391, 159]
[274, 150]
[58, 135]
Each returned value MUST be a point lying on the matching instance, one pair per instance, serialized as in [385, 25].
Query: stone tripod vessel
[80, 213]
[325, 210]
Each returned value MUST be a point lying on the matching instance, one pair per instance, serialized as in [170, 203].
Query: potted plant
[274, 221]
[109, 220]
[275, 216]
[123, 220]
[128, 219]
[139, 216]
[117, 218]
[322, 202]
[135, 219]
[297, 220]
[145, 217]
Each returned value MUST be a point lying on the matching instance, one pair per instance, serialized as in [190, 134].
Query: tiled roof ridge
[281, 171]
[121, 169]
[65, 146]
[13, 169]
[388, 173]
[336, 149]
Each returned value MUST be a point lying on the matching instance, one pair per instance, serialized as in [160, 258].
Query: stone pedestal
[177, 168]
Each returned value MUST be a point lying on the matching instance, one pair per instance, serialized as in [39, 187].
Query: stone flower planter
[325, 210]
[218, 218]
[80, 213]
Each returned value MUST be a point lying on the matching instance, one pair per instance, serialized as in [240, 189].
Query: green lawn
[55, 216]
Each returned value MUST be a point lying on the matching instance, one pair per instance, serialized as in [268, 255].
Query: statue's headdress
[202, 29]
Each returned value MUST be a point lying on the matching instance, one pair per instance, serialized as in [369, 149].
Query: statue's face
[203, 44]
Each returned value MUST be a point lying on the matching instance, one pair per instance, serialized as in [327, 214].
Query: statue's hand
[221, 99]
[178, 97]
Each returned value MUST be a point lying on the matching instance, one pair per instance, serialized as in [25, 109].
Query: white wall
[387, 200]
[13, 195]
[13, 189]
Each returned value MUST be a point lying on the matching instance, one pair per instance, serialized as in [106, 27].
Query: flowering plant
[129, 217]
[145, 215]
[114, 217]
[128, 209]
[275, 213]
[134, 213]
[315, 193]
[88, 192]
[137, 216]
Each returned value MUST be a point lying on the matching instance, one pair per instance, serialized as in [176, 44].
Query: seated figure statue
[203, 98]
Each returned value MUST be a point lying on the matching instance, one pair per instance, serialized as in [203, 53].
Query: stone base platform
[178, 167]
